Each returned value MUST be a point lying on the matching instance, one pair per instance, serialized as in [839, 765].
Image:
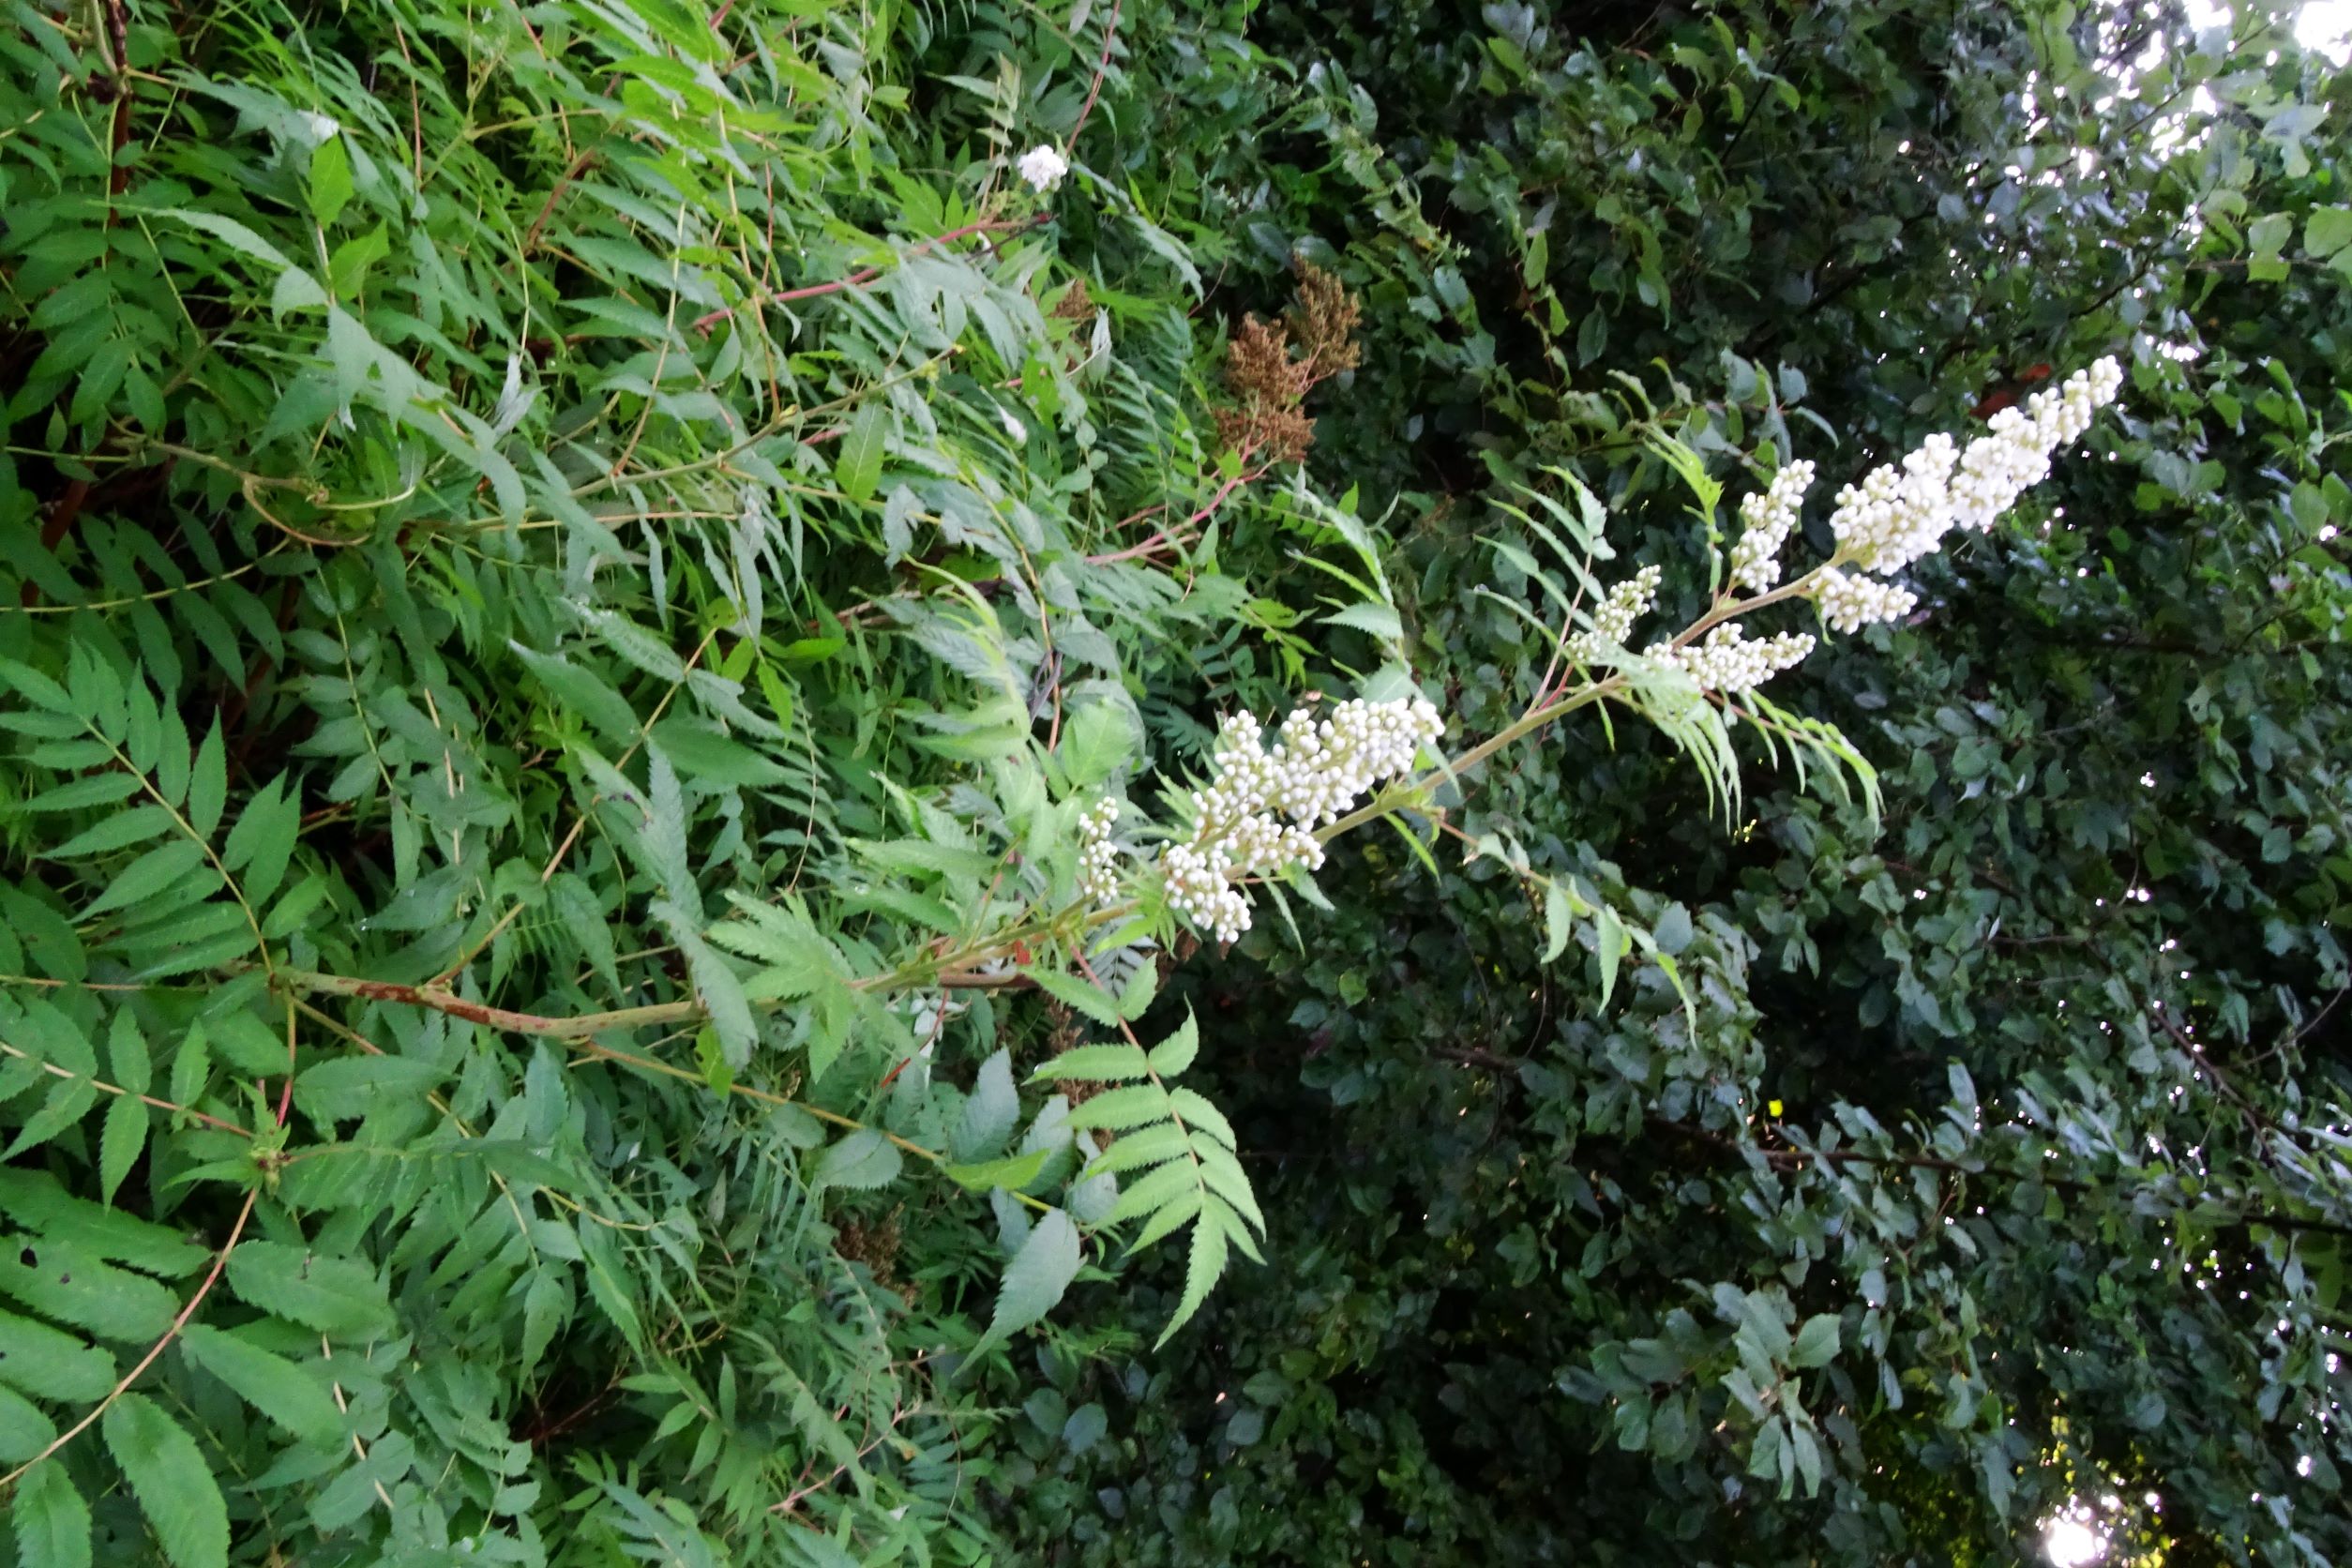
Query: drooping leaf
[1035, 1279]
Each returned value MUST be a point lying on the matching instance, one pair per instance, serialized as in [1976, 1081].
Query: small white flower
[1043, 168]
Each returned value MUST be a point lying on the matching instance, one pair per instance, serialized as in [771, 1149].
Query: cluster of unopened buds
[1257, 815]
[1770, 516]
[1902, 511]
[1728, 662]
[1098, 851]
[1898, 513]
[1613, 619]
[1849, 603]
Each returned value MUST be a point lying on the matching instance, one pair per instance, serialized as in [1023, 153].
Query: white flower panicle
[1849, 603]
[1728, 662]
[1043, 168]
[1628, 602]
[1098, 852]
[1901, 511]
[1311, 775]
[1770, 516]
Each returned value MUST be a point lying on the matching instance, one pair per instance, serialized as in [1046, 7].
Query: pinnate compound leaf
[1035, 1279]
[170, 1478]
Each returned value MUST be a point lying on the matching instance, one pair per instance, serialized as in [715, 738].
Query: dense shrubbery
[578, 568]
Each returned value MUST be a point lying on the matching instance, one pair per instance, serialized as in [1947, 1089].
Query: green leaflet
[50, 1521]
[285, 1393]
[1035, 1279]
[48, 1365]
[68, 1281]
[1087, 999]
[333, 1295]
[864, 1159]
[857, 466]
[174, 1487]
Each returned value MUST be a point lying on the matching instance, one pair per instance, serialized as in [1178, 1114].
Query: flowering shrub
[588, 589]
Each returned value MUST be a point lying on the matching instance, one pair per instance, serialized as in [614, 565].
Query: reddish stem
[1110, 32]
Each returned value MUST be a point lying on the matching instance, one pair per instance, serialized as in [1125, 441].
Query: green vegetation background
[527, 506]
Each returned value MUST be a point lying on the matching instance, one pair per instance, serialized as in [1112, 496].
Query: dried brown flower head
[1269, 385]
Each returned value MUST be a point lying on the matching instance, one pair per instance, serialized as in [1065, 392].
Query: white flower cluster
[1727, 661]
[1770, 516]
[1901, 512]
[1098, 852]
[1042, 167]
[1311, 775]
[1849, 603]
[1628, 602]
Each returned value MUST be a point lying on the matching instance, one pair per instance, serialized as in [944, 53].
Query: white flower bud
[1728, 662]
[1628, 602]
[1850, 603]
[1311, 775]
[1770, 516]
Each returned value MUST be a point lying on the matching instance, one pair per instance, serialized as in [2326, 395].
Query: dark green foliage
[567, 571]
